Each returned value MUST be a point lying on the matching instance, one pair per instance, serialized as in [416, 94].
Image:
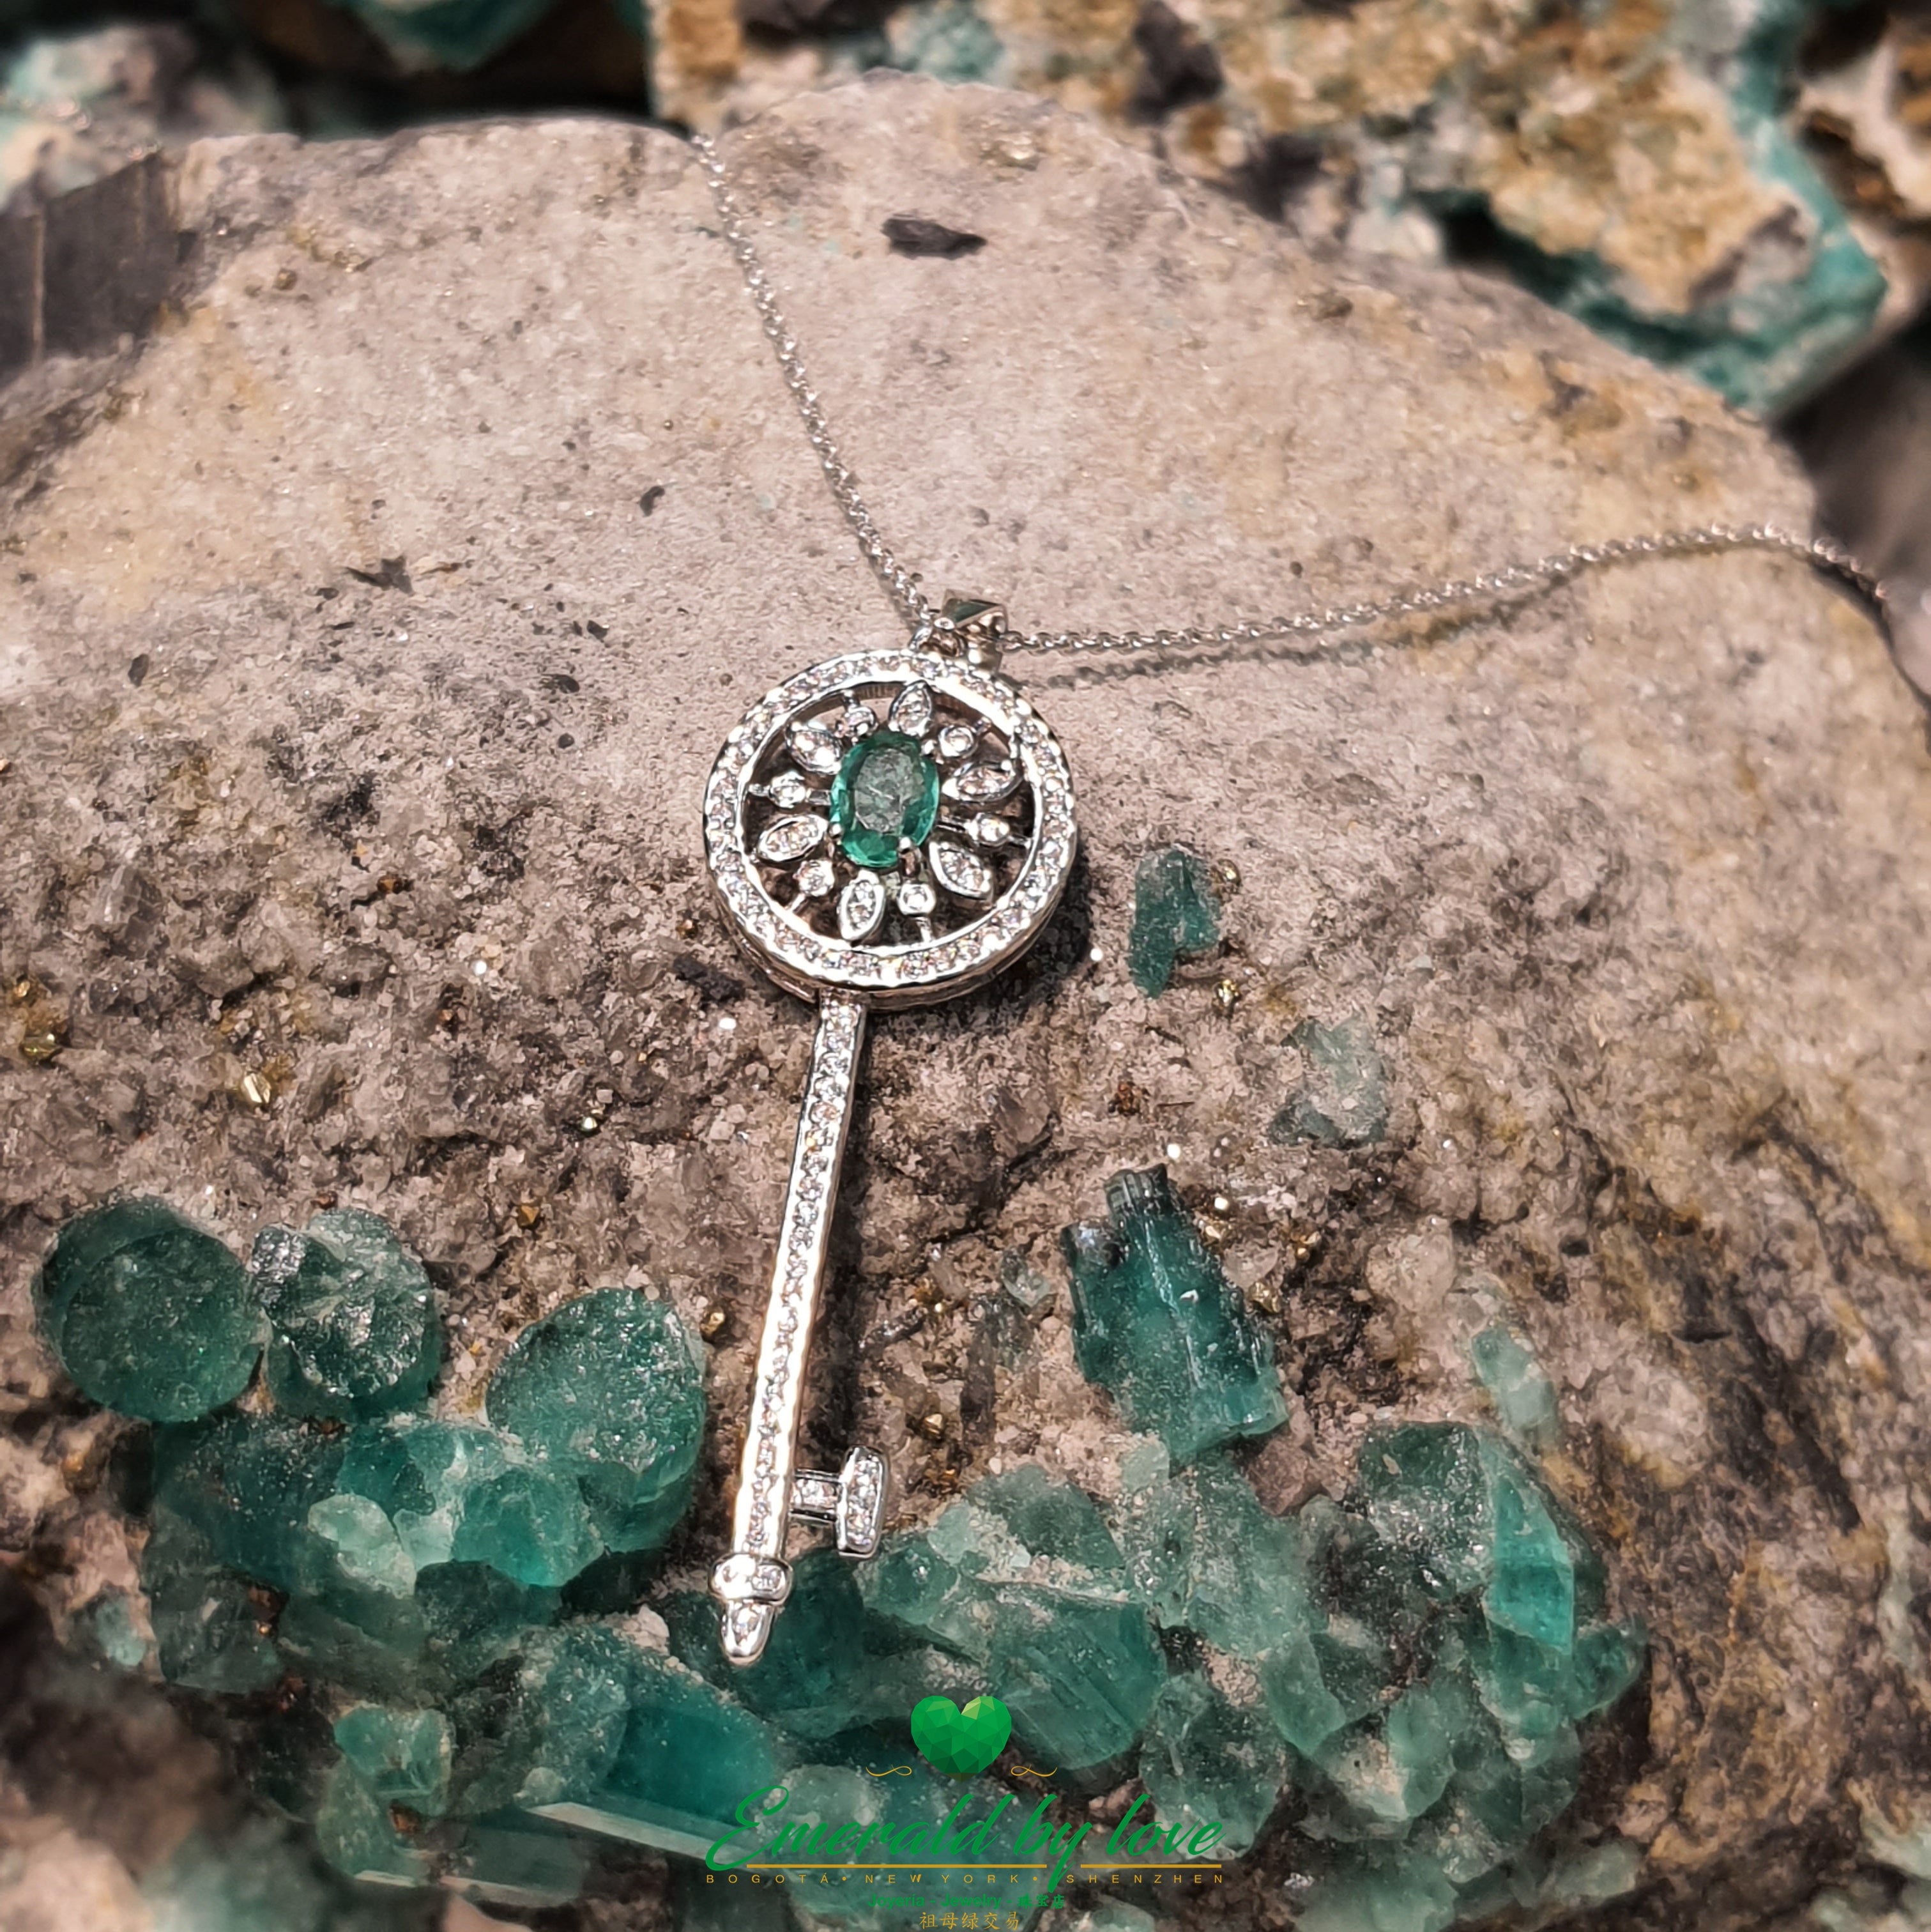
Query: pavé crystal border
[804, 961]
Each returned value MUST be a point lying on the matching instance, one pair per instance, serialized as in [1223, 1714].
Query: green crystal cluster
[1415, 1661]
[411, 1577]
[1175, 914]
[403, 1613]
[1158, 1324]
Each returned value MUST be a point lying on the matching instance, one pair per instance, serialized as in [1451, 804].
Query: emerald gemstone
[544, 1727]
[1207, 1760]
[513, 1859]
[887, 791]
[401, 1755]
[1156, 1323]
[248, 1483]
[148, 1314]
[352, 1322]
[610, 1391]
[1021, 1578]
[209, 1632]
[687, 1756]
[1523, 1397]
[359, 1835]
[1176, 913]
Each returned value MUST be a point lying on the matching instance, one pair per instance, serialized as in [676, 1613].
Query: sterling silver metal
[851, 937]
[1510, 582]
[990, 871]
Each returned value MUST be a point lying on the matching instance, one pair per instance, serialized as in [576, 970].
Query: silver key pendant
[889, 828]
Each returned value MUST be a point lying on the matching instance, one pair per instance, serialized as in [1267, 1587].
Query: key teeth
[864, 1486]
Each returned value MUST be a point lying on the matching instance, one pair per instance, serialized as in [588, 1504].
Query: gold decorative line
[1026, 1771]
[894, 1770]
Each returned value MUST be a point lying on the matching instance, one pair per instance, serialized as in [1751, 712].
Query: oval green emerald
[887, 791]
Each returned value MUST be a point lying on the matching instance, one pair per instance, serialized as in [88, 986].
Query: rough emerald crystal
[353, 1322]
[458, 1493]
[1156, 1323]
[1523, 1397]
[1205, 1759]
[1022, 1578]
[1343, 1100]
[887, 791]
[360, 1836]
[148, 1314]
[403, 1756]
[543, 1726]
[1176, 912]
[513, 1859]
[688, 1755]
[212, 1629]
[610, 1391]
[248, 1484]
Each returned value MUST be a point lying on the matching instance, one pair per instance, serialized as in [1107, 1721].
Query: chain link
[1496, 587]
[901, 585]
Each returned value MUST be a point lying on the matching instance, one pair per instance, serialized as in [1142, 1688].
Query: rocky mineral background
[365, 638]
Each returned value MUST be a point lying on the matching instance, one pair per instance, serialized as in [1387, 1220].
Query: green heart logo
[963, 1742]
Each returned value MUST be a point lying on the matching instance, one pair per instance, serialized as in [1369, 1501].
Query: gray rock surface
[363, 644]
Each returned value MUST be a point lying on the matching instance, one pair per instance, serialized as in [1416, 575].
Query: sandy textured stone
[363, 650]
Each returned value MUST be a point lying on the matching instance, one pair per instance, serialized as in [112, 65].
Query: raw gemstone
[610, 1391]
[1022, 1579]
[687, 1757]
[1532, 1589]
[887, 791]
[367, 1549]
[359, 1835]
[109, 1625]
[1176, 912]
[148, 1315]
[1160, 1327]
[1205, 1760]
[1523, 1397]
[211, 1627]
[544, 1727]
[353, 1320]
[403, 1756]
[1205, 1556]
[1343, 1101]
[1424, 1486]
[513, 1859]
[248, 1484]
[1399, 1890]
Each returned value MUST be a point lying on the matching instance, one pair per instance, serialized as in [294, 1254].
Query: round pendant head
[891, 823]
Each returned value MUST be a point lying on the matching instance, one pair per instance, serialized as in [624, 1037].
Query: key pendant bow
[887, 829]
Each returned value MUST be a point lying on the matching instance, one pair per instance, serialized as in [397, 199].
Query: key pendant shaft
[885, 829]
[754, 1578]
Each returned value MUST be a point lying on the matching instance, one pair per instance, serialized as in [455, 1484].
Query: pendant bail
[971, 627]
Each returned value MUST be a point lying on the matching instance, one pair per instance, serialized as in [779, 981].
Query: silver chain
[1497, 586]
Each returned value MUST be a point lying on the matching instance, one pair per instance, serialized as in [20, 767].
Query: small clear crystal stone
[861, 908]
[912, 709]
[964, 874]
[816, 750]
[983, 784]
[789, 790]
[989, 829]
[784, 839]
[956, 741]
[916, 897]
[816, 878]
